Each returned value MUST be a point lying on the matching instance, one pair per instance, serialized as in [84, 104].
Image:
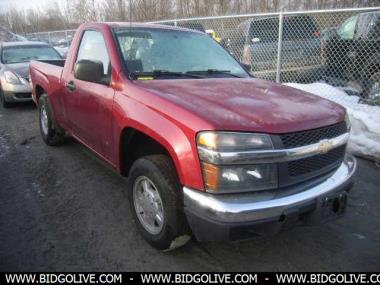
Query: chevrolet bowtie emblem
[325, 146]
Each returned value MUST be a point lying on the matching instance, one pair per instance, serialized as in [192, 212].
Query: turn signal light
[210, 176]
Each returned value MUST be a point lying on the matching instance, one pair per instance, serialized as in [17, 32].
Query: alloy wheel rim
[148, 205]
[44, 120]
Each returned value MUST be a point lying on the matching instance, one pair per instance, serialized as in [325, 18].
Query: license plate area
[332, 206]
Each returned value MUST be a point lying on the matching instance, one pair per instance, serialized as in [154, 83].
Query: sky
[26, 4]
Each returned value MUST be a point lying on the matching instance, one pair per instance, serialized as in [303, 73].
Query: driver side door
[89, 104]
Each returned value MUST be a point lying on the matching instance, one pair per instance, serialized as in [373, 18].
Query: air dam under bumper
[231, 217]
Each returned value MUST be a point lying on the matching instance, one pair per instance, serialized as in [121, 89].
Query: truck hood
[21, 69]
[247, 104]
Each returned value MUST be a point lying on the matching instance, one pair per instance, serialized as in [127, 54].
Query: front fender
[178, 140]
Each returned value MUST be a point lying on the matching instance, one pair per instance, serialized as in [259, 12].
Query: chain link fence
[340, 47]
[61, 40]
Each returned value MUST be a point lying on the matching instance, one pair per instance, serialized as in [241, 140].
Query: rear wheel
[51, 133]
[155, 199]
[3, 102]
[374, 86]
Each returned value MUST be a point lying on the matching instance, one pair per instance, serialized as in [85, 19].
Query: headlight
[348, 122]
[11, 77]
[222, 178]
[228, 141]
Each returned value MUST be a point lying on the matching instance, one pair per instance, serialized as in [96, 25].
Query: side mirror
[91, 71]
[247, 67]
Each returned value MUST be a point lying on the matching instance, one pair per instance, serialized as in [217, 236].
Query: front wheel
[51, 133]
[155, 199]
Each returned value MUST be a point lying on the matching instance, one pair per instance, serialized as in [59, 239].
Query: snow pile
[365, 119]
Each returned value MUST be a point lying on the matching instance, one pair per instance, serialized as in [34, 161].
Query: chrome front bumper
[251, 207]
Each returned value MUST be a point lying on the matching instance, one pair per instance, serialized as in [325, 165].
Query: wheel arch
[135, 144]
[39, 90]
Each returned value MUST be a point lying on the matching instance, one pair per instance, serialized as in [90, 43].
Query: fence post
[279, 47]
[175, 23]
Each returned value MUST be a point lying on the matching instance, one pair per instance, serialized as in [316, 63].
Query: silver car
[14, 69]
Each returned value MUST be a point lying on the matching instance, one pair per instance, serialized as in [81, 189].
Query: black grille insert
[313, 136]
[316, 162]
[23, 95]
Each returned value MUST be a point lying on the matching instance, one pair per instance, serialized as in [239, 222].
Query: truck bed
[57, 62]
[46, 74]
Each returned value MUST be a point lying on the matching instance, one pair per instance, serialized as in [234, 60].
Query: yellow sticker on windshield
[145, 78]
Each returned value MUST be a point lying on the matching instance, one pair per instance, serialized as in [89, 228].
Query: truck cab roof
[142, 25]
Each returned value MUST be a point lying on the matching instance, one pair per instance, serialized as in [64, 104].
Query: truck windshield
[18, 54]
[175, 53]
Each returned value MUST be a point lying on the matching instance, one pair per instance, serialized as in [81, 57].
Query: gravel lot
[61, 209]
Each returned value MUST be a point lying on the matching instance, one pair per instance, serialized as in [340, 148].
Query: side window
[347, 30]
[93, 47]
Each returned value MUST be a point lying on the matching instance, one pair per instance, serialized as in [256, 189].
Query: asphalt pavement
[62, 209]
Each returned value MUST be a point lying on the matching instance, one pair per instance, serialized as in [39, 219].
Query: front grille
[23, 95]
[316, 162]
[298, 171]
[313, 136]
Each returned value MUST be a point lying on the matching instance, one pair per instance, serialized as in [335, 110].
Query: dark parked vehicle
[14, 69]
[352, 53]
[255, 42]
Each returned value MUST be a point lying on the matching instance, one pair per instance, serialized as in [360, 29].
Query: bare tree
[115, 10]
[71, 13]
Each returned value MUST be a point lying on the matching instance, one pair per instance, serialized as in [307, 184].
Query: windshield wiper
[158, 73]
[212, 71]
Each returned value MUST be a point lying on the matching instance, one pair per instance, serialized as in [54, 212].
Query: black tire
[373, 90]
[52, 134]
[160, 170]
[4, 103]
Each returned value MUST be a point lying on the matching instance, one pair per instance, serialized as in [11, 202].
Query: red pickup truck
[208, 150]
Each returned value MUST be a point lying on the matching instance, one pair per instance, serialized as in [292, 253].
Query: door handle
[70, 86]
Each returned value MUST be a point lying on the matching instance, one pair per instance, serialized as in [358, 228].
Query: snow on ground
[365, 119]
